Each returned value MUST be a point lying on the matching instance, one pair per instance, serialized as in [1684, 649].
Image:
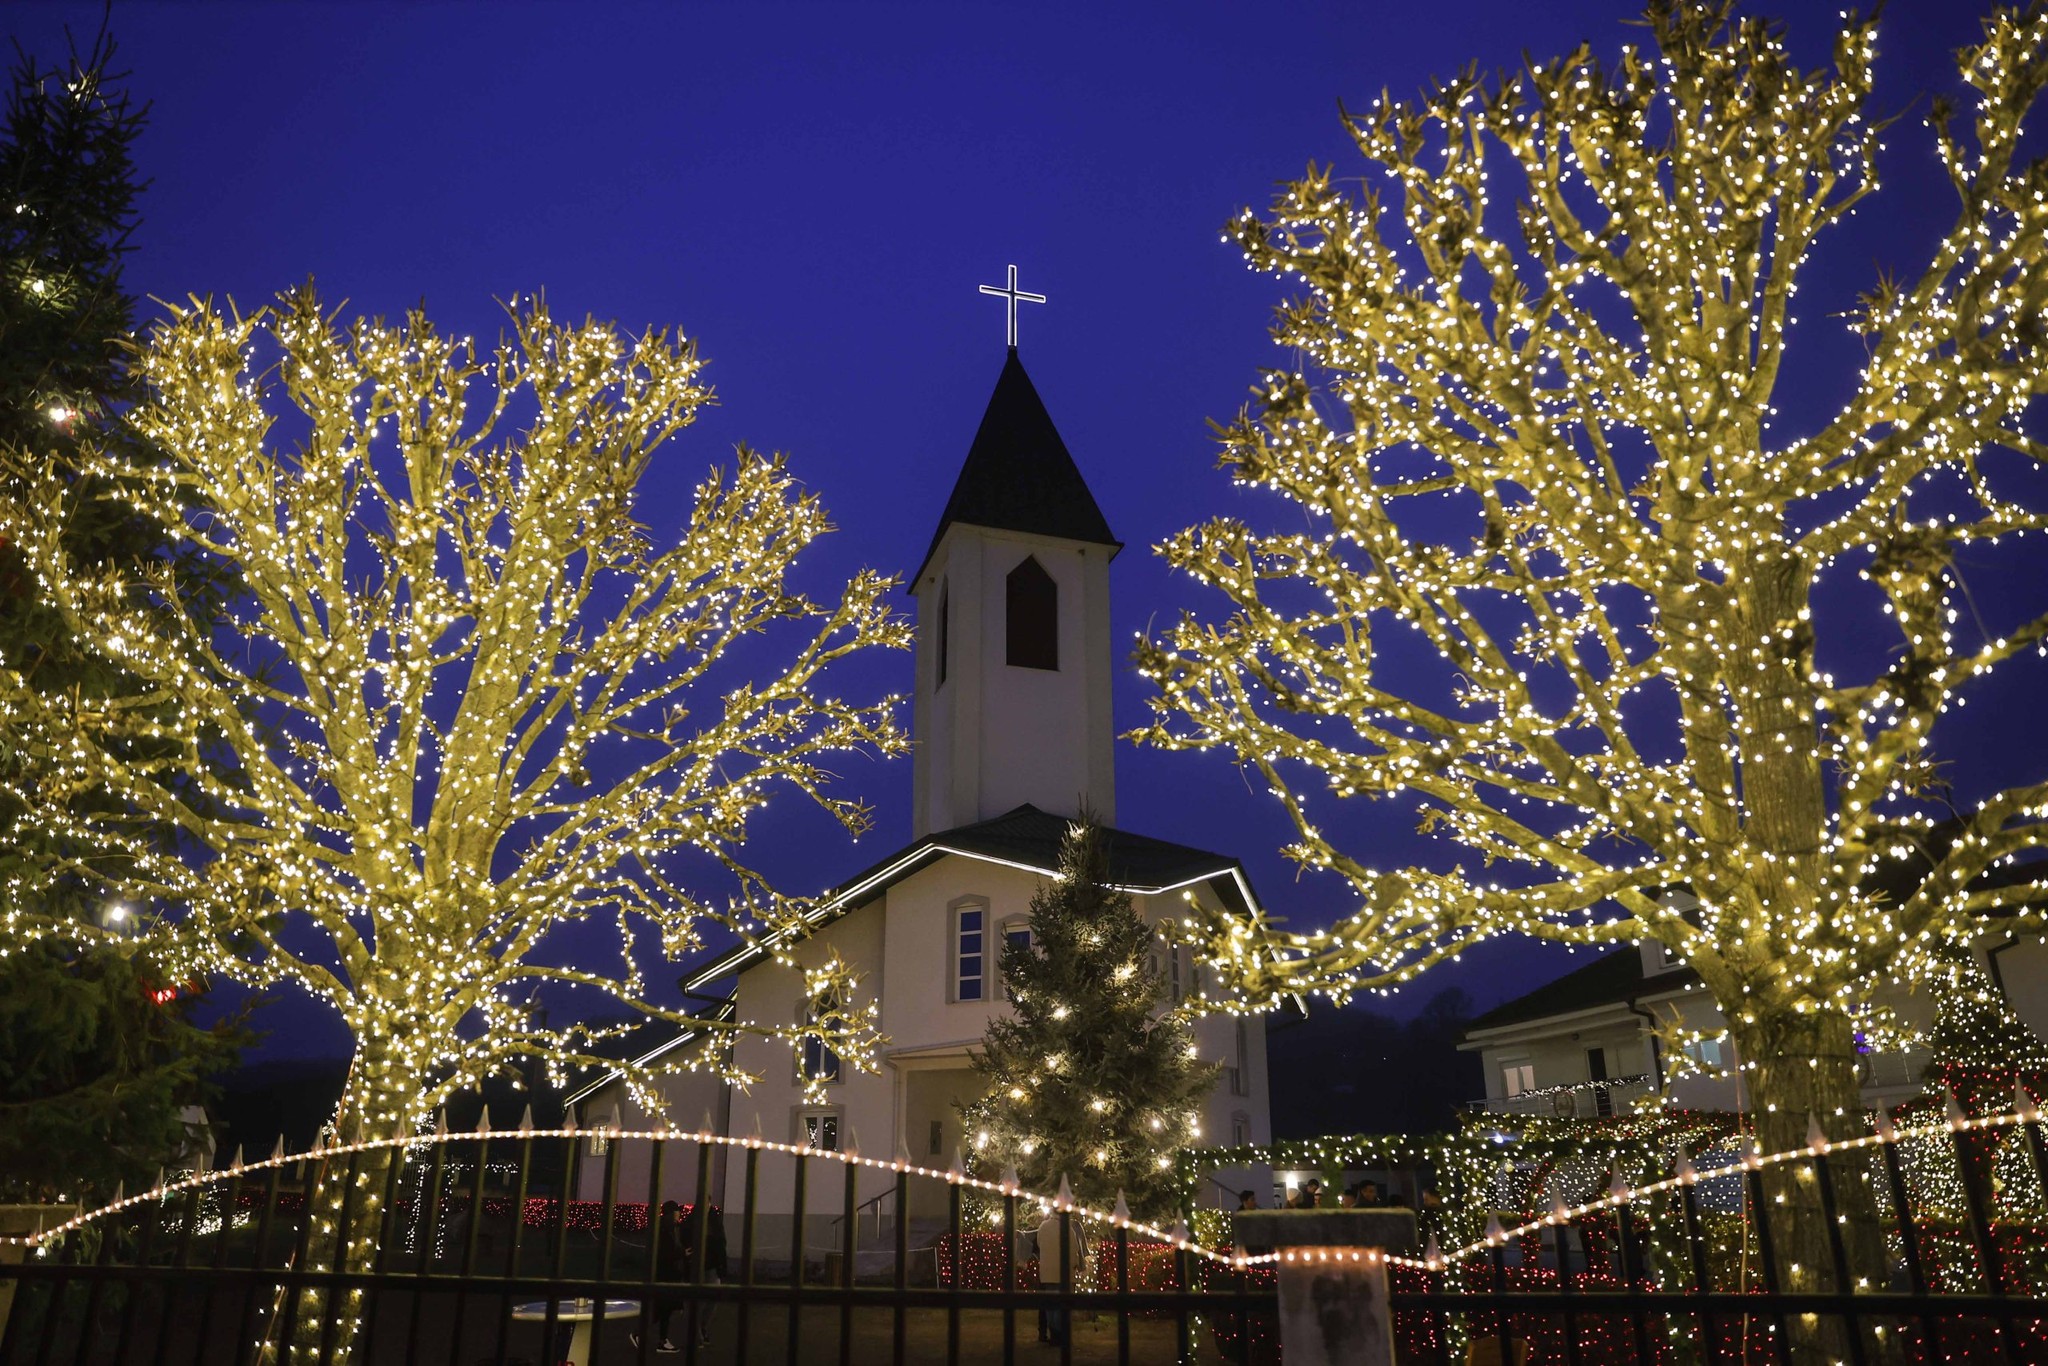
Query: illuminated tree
[97, 1056]
[469, 699]
[1085, 1081]
[1530, 423]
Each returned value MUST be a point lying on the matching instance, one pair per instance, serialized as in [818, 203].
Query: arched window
[945, 630]
[1032, 617]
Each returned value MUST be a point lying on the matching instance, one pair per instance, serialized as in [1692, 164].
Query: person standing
[715, 1270]
[670, 1260]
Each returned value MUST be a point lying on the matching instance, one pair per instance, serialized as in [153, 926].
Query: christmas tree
[1084, 1080]
[97, 1057]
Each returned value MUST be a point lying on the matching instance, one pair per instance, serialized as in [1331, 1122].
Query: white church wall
[689, 1098]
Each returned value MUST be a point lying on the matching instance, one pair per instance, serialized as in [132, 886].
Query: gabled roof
[1610, 979]
[1026, 838]
[1019, 476]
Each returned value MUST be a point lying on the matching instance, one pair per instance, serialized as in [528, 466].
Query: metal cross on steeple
[1012, 296]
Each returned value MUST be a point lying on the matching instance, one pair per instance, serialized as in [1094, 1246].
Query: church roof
[1019, 476]
[1024, 837]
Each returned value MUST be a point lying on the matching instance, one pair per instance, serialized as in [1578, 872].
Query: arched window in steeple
[1032, 617]
[945, 630]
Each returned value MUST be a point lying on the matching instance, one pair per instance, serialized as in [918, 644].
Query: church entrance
[931, 1128]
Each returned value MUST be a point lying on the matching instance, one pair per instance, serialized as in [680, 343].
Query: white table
[579, 1313]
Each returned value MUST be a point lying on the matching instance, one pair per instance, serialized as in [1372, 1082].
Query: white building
[1013, 735]
[1583, 1045]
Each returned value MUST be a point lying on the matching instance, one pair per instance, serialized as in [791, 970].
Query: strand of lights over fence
[1117, 1218]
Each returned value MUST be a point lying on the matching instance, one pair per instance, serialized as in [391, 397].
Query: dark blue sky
[816, 190]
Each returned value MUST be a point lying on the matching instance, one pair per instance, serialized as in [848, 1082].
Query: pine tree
[1084, 1081]
[97, 1053]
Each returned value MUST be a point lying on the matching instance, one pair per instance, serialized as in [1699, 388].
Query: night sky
[815, 191]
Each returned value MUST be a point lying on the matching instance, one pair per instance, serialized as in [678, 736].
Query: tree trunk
[379, 1102]
[1801, 1068]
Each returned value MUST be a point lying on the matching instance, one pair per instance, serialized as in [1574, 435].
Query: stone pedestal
[1333, 1279]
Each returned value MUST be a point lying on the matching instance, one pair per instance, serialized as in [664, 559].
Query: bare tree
[1529, 423]
[466, 698]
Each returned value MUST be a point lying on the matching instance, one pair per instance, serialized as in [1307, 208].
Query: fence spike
[616, 1125]
[852, 1135]
[1953, 1110]
[526, 1119]
[1683, 1169]
[707, 1130]
[1752, 1156]
[1122, 1212]
[1816, 1137]
[1010, 1177]
[1557, 1209]
[278, 1151]
[1618, 1189]
[2029, 1111]
[1494, 1232]
[483, 1121]
[1065, 1199]
[1179, 1232]
[569, 1122]
[1432, 1254]
[959, 1167]
[1887, 1132]
[903, 1162]
[441, 1122]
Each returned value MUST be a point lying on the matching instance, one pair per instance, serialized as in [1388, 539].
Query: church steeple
[1012, 703]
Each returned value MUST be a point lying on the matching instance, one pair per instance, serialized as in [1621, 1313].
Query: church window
[1032, 617]
[1015, 931]
[1241, 1067]
[1240, 1130]
[971, 958]
[816, 1061]
[945, 630]
[1173, 972]
[819, 1128]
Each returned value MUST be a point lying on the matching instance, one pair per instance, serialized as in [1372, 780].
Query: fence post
[1333, 1279]
[21, 1221]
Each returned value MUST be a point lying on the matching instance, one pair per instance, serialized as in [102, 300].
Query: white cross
[1012, 296]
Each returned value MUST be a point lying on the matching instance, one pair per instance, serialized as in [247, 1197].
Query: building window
[1707, 1052]
[1241, 1067]
[815, 1061]
[1240, 1130]
[1173, 971]
[945, 630]
[938, 1136]
[970, 950]
[819, 1128]
[1031, 602]
[1017, 932]
[1517, 1077]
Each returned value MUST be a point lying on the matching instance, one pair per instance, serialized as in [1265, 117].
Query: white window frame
[1517, 1077]
[800, 1126]
[1241, 1070]
[956, 980]
[1240, 1129]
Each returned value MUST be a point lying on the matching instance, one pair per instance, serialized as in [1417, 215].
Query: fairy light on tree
[467, 697]
[1531, 424]
[1085, 1082]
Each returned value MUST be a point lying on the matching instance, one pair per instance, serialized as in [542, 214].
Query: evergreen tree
[97, 1053]
[1083, 1080]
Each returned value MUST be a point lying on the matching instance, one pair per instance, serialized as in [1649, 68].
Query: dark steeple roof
[1018, 475]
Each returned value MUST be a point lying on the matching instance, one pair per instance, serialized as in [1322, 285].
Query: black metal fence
[1640, 1276]
[464, 1259]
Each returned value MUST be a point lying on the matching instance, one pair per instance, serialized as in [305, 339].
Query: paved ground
[981, 1341]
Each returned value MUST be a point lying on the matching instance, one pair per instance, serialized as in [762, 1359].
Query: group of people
[677, 1240]
[1363, 1194]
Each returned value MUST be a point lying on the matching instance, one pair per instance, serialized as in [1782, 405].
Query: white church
[1013, 733]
